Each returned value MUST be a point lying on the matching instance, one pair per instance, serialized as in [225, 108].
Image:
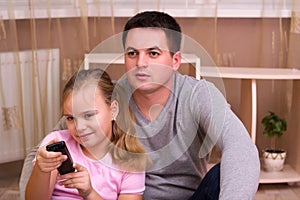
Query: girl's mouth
[84, 136]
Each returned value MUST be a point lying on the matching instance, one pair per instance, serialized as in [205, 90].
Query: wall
[248, 42]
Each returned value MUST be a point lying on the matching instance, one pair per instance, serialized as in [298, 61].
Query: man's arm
[240, 166]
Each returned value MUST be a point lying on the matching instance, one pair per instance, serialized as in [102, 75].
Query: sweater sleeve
[240, 166]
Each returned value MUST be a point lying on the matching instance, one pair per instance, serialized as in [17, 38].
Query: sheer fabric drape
[76, 36]
[29, 100]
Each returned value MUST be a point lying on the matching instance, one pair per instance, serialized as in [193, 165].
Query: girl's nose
[80, 124]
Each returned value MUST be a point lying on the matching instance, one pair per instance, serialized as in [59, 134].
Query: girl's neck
[95, 153]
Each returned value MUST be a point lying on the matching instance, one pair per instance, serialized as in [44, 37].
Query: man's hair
[160, 20]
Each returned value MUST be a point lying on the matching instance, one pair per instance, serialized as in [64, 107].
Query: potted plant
[274, 126]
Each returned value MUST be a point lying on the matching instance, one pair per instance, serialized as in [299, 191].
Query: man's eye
[154, 54]
[131, 53]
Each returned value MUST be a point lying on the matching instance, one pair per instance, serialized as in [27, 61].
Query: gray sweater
[194, 120]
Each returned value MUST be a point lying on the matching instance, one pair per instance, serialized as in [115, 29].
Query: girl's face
[89, 118]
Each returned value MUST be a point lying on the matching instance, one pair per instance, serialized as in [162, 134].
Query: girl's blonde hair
[126, 150]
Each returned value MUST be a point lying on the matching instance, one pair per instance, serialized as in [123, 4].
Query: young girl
[108, 159]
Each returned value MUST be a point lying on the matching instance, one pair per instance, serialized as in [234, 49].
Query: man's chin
[147, 88]
[144, 87]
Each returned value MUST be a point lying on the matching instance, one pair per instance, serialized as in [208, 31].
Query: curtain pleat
[79, 35]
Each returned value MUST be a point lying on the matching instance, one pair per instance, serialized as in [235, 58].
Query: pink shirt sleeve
[133, 179]
[106, 178]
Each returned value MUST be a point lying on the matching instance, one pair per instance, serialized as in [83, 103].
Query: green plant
[274, 126]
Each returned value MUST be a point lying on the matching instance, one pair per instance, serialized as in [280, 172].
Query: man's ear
[114, 109]
[176, 60]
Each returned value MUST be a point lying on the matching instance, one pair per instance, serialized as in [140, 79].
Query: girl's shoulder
[60, 135]
[64, 135]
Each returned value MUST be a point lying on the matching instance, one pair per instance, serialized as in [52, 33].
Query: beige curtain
[294, 45]
[29, 100]
[232, 42]
[293, 96]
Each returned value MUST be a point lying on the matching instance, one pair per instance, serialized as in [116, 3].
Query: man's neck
[152, 104]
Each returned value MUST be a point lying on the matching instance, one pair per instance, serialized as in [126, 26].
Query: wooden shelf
[287, 175]
[118, 58]
[251, 73]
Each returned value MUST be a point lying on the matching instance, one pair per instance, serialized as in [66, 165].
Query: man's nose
[142, 60]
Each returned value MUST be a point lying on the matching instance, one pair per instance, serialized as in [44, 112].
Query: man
[179, 119]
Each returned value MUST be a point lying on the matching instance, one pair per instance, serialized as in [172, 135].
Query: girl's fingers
[79, 176]
[79, 167]
[79, 173]
[53, 159]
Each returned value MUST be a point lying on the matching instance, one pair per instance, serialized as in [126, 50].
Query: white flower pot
[274, 159]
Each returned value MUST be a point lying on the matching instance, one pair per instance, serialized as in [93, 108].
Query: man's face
[148, 62]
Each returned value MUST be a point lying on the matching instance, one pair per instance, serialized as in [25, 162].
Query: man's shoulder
[124, 83]
[181, 80]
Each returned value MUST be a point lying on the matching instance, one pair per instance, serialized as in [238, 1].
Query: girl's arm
[40, 185]
[130, 197]
[80, 180]
[41, 182]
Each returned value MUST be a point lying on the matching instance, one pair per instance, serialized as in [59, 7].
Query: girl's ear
[114, 109]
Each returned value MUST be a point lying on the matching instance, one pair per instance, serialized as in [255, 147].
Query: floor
[9, 186]
[280, 191]
[9, 180]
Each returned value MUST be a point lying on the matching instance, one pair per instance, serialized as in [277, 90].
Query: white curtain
[29, 100]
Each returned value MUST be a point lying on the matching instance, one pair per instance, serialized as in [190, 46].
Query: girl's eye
[89, 115]
[70, 118]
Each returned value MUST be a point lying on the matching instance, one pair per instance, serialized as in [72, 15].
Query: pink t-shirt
[106, 179]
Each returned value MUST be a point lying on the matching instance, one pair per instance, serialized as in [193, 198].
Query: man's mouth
[142, 76]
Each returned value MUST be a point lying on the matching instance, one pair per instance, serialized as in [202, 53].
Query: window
[20, 9]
